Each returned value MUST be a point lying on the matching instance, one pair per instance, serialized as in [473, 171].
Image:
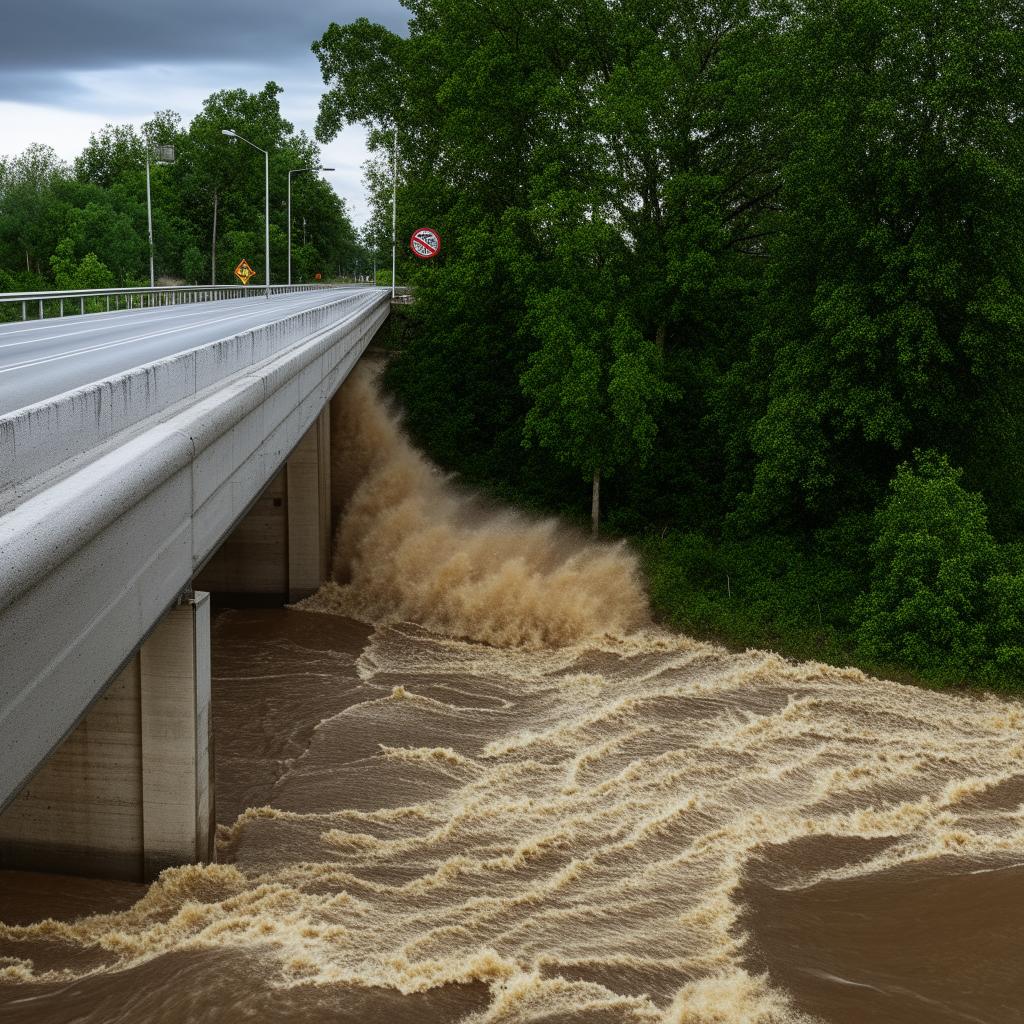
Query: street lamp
[297, 170]
[160, 155]
[266, 201]
[394, 213]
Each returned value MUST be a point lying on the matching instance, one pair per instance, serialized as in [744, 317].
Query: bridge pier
[282, 546]
[130, 790]
[308, 475]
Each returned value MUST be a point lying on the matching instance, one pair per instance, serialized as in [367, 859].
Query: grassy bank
[769, 593]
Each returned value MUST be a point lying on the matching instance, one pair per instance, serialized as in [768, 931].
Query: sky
[70, 66]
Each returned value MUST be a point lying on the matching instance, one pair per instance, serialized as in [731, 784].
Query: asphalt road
[42, 359]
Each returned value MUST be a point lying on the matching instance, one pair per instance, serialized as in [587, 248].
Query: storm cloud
[93, 34]
[70, 66]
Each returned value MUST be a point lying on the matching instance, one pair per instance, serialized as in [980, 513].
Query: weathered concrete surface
[120, 509]
[308, 477]
[282, 545]
[129, 792]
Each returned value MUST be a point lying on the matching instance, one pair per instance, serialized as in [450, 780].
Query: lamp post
[394, 211]
[266, 202]
[297, 170]
[163, 155]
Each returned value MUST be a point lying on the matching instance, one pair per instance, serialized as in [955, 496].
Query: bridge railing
[38, 305]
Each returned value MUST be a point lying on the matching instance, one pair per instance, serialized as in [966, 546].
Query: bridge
[149, 456]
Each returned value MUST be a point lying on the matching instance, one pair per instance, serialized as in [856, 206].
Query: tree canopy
[87, 222]
[741, 259]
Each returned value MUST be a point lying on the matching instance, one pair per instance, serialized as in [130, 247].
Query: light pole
[394, 211]
[164, 155]
[297, 170]
[266, 202]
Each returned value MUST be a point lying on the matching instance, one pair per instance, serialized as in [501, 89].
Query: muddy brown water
[566, 815]
[421, 829]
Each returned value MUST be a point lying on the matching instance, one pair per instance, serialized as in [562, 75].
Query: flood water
[571, 816]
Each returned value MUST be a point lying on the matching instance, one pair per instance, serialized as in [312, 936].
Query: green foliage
[893, 289]
[101, 206]
[770, 591]
[940, 598]
[113, 154]
[1005, 595]
[89, 272]
[930, 561]
[194, 265]
[596, 388]
[745, 259]
[31, 211]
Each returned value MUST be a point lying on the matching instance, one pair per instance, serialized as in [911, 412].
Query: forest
[740, 282]
[84, 225]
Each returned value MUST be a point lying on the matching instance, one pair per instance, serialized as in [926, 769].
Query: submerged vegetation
[752, 273]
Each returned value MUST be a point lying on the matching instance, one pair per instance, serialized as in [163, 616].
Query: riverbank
[768, 594]
[791, 593]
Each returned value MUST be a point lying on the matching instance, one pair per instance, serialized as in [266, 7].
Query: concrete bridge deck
[113, 497]
[43, 358]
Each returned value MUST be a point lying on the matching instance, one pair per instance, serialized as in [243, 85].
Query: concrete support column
[308, 477]
[282, 546]
[177, 730]
[130, 790]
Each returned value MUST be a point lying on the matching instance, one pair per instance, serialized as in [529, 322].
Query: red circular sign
[425, 243]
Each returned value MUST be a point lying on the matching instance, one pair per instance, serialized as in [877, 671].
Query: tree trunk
[213, 245]
[659, 336]
[595, 504]
[28, 266]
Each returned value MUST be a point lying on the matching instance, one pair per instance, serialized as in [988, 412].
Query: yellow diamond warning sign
[244, 272]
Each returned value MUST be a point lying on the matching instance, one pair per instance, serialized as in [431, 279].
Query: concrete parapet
[52, 435]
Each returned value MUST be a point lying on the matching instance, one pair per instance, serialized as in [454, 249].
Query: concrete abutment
[130, 790]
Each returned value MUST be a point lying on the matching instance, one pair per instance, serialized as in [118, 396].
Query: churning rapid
[411, 547]
[503, 796]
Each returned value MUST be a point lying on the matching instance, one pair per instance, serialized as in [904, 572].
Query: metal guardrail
[106, 300]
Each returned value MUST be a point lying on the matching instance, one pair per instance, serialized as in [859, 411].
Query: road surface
[42, 359]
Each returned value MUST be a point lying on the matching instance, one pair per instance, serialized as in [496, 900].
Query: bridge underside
[130, 790]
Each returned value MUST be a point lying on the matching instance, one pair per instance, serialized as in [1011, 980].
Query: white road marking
[125, 315]
[117, 344]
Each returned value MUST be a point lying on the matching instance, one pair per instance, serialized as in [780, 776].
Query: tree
[115, 153]
[89, 272]
[892, 305]
[596, 391]
[522, 125]
[30, 213]
[931, 562]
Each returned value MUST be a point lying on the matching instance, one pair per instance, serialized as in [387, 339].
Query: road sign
[425, 243]
[244, 272]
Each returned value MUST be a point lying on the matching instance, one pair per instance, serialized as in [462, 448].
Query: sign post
[425, 243]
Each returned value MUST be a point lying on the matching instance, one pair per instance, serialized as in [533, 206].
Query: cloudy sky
[67, 67]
